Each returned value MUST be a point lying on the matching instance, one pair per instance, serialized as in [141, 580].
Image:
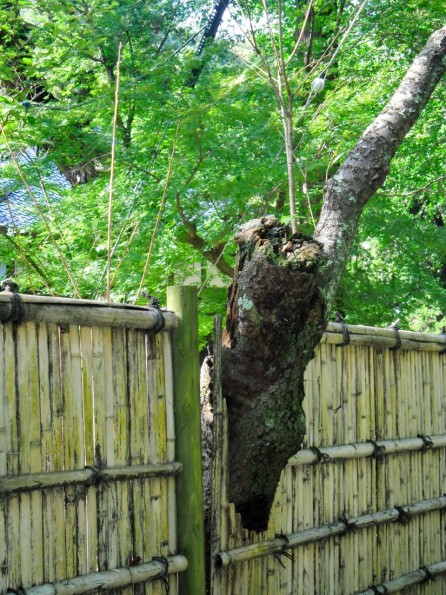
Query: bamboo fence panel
[362, 503]
[87, 450]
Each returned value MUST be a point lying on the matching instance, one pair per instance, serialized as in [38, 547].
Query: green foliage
[57, 86]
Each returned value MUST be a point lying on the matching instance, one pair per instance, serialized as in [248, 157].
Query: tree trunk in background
[280, 299]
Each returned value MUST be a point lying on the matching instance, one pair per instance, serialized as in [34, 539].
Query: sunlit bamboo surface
[87, 453]
[361, 506]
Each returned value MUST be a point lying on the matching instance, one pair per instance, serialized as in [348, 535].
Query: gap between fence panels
[341, 527]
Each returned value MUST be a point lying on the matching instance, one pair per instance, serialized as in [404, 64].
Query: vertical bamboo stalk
[121, 447]
[139, 438]
[89, 442]
[183, 301]
[111, 438]
[46, 417]
[4, 445]
[218, 462]
[170, 450]
[30, 457]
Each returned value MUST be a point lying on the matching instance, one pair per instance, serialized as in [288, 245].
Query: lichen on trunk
[276, 316]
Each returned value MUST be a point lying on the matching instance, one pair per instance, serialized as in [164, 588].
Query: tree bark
[280, 299]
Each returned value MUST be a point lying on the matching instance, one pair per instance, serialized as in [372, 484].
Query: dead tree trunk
[281, 296]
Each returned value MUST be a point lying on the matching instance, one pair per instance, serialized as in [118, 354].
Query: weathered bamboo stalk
[111, 579]
[84, 312]
[401, 583]
[88, 476]
[357, 329]
[385, 341]
[282, 543]
[360, 450]
[218, 440]
[184, 302]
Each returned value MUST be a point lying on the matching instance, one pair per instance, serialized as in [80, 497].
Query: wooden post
[190, 522]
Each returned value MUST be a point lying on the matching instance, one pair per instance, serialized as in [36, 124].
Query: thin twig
[160, 211]
[412, 192]
[112, 172]
[124, 254]
[41, 214]
[299, 39]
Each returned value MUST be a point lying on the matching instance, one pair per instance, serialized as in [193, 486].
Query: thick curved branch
[367, 165]
[212, 254]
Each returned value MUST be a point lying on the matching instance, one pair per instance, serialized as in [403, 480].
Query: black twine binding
[427, 442]
[155, 307]
[403, 515]
[379, 452]
[17, 311]
[164, 574]
[443, 333]
[320, 456]
[378, 589]
[429, 575]
[349, 526]
[345, 334]
[282, 552]
[98, 478]
[394, 326]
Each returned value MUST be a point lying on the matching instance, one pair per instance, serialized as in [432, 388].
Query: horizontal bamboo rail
[423, 574]
[327, 454]
[384, 337]
[83, 312]
[112, 579]
[340, 527]
[87, 476]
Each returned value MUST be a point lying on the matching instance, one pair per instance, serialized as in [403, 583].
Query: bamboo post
[183, 301]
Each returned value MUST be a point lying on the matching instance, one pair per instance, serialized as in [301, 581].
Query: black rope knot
[164, 574]
[429, 576]
[320, 456]
[443, 334]
[98, 477]
[17, 311]
[379, 452]
[286, 543]
[381, 590]
[345, 334]
[427, 442]
[403, 515]
[19, 591]
[395, 327]
[154, 306]
[350, 527]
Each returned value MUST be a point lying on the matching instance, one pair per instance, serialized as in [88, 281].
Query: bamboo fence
[87, 448]
[360, 508]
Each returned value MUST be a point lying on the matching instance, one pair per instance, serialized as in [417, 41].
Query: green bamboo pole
[183, 301]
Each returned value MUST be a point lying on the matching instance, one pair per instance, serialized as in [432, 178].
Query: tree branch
[366, 167]
[212, 254]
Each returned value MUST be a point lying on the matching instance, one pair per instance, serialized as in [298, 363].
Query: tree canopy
[81, 81]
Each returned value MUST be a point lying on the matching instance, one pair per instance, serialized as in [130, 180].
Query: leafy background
[58, 76]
